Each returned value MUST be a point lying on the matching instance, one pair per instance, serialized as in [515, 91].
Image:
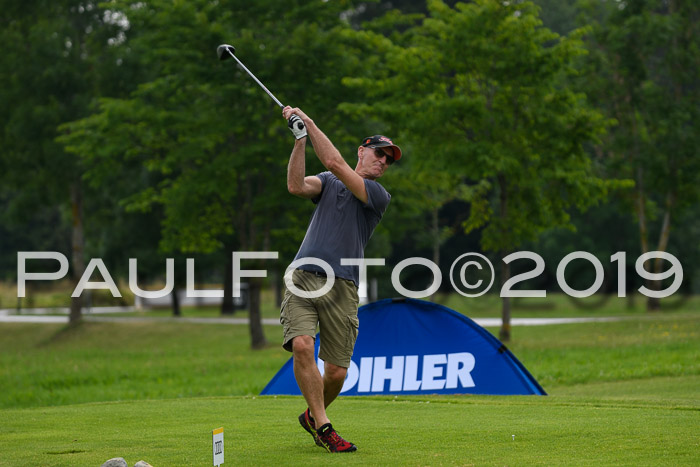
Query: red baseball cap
[380, 141]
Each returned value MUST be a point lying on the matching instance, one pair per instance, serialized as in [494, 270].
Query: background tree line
[553, 126]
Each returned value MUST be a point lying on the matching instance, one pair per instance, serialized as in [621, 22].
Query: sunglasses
[378, 153]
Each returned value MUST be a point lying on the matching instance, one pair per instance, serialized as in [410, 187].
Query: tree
[216, 146]
[61, 61]
[480, 92]
[643, 70]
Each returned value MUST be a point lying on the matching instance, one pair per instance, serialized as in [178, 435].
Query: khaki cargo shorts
[335, 313]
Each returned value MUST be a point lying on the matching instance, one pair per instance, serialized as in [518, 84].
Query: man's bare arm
[330, 157]
[297, 183]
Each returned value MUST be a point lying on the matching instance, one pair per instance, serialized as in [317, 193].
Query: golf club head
[223, 51]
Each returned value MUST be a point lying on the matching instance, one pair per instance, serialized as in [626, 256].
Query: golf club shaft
[256, 79]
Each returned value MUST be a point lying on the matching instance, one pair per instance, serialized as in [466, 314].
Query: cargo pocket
[283, 307]
[353, 330]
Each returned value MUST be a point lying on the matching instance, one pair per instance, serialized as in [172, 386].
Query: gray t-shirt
[341, 225]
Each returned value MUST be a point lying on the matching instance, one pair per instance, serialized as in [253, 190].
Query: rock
[116, 462]
[142, 464]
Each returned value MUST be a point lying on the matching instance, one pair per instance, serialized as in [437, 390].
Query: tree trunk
[504, 333]
[257, 336]
[227, 303]
[436, 239]
[77, 251]
[654, 304]
[640, 207]
[176, 302]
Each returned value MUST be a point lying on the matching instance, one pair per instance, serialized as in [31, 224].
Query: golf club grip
[256, 80]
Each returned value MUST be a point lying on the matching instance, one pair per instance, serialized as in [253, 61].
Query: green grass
[638, 348]
[404, 431]
[561, 305]
[46, 364]
[54, 364]
[58, 294]
[621, 393]
[489, 306]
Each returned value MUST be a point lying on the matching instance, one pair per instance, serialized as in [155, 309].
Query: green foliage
[487, 103]
[211, 147]
[643, 70]
[60, 60]
[490, 118]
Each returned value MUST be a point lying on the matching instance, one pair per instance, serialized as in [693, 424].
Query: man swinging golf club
[349, 205]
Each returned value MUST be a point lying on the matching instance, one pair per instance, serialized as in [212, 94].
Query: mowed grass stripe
[621, 393]
[46, 365]
[468, 430]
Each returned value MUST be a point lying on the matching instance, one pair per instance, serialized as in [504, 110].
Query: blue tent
[409, 346]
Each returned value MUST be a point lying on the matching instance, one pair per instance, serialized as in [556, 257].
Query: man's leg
[321, 391]
[309, 378]
[333, 380]
[339, 328]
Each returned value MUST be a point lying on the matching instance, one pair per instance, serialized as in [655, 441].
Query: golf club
[224, 51]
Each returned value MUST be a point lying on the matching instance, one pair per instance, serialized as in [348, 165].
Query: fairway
[470, 430]
[620, 393]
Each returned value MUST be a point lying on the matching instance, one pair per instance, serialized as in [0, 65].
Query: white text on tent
[437, 372]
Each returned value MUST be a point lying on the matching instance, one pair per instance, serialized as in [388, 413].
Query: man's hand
[296, 121]
[297, 126]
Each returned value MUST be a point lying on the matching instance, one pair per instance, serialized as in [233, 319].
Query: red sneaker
[331, 440]
[307, 423]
